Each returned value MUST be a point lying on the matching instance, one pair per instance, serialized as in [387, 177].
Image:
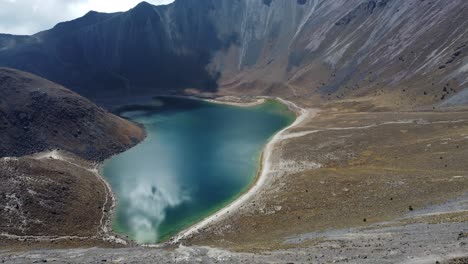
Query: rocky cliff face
[407, 52]
[412, 52]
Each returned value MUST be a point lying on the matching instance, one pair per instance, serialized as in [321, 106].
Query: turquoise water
[198, 157]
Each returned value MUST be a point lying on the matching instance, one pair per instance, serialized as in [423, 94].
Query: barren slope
[38, 115]
[54, 196]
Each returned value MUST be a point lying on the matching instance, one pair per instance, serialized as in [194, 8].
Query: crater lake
[197, 158]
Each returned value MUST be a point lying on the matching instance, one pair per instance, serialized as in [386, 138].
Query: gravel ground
[411, 239]
[416, 243]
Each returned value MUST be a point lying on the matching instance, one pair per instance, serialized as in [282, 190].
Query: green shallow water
[197, 157]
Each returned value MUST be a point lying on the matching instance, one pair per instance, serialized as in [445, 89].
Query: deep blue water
[198, 157]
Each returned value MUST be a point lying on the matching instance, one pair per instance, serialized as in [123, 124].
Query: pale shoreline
[258, 100]
[261, 180]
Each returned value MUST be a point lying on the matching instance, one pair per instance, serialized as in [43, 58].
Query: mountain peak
[143, 8]
[91, 13]
[144, 4]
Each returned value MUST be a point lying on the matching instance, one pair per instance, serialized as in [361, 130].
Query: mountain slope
[406, 52]
[54, 195]
[38, 115]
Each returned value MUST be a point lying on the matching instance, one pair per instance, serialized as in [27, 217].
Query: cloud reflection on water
[147, 207]
[148, 186]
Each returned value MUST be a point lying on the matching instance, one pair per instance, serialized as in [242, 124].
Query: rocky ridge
[396, 52]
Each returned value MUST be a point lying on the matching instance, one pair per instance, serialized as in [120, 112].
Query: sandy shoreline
[258, 101]
[260, 181]
[221, 100]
